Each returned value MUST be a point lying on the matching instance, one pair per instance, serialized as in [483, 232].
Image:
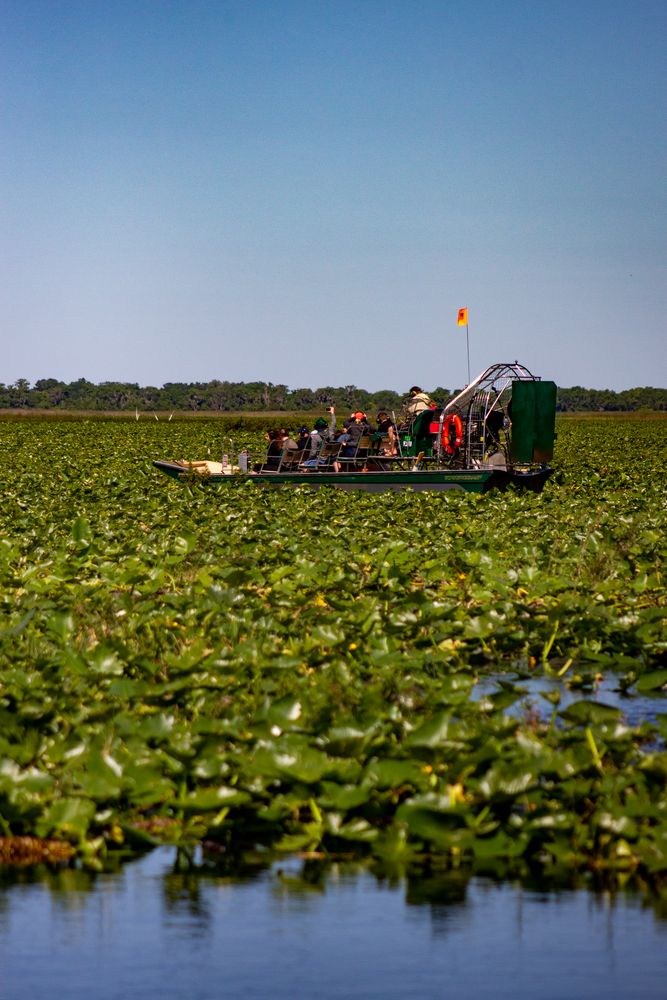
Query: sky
[306, 191]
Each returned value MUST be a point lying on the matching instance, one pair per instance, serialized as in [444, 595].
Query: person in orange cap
[356, 428]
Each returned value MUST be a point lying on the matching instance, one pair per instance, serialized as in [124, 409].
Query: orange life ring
[452, 442]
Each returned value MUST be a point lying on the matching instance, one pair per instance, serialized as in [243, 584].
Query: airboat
[497, 432]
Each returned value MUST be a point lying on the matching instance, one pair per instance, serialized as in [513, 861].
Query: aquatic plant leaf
[356, 830]
[300, 763]
[500, 845]
[68, 816]
[284, 711]
[432, 733]
[345, 740]
[653, 681]
[393, 773]
[212, 798]
[343, 798]
[81, 531]
[442, 827]
[617, 824]
[587, 712]
[509, 779]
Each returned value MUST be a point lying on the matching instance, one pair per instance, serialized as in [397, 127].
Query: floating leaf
[653, 681]
[587, 712]
[69, 817]
[212, 798]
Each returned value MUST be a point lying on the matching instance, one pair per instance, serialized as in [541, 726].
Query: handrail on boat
[500, 370]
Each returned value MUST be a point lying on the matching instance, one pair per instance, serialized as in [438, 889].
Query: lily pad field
[415, 679]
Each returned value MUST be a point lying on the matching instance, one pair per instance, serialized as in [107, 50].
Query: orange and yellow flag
[462, 318]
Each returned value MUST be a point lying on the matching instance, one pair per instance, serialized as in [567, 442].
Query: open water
[636, 708]
[149, 932]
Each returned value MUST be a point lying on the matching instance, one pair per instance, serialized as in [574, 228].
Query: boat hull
[393, 481]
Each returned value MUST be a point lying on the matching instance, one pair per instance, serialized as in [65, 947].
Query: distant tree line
[216, 396]
[577, 398]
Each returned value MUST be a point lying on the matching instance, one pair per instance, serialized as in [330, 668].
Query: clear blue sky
[306, 192]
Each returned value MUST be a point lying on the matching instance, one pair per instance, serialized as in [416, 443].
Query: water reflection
[539, 692]
[183, 898]
[304, 928]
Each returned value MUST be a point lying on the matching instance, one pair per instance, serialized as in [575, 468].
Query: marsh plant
[263, 670]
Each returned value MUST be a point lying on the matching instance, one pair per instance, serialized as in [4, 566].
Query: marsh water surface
[150, 931]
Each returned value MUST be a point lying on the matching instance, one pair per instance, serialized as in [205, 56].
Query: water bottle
[243, 460]
[225, 460]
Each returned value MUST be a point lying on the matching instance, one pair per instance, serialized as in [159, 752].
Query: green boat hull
[419, 480]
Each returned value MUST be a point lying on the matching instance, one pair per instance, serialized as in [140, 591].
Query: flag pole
[462, 320]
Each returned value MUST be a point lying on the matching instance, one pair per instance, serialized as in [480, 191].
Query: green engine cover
[533, 421]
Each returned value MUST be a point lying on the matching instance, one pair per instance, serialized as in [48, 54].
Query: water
[636, 708]
[288, 933]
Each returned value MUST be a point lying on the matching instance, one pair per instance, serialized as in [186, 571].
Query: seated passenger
[286, 441]
[315, 438]
[273, 451]
[320, 433]
[387, 434]
[357, 428]
[303, 440]
[417, 403]
[343, 436]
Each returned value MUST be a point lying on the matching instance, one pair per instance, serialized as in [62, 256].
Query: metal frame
[490, 392]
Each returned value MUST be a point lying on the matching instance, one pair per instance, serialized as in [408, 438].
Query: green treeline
[221, 397]
[213, 396]
[577, 398]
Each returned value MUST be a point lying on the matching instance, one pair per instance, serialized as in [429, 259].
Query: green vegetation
[243, 397]
[298, 671]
